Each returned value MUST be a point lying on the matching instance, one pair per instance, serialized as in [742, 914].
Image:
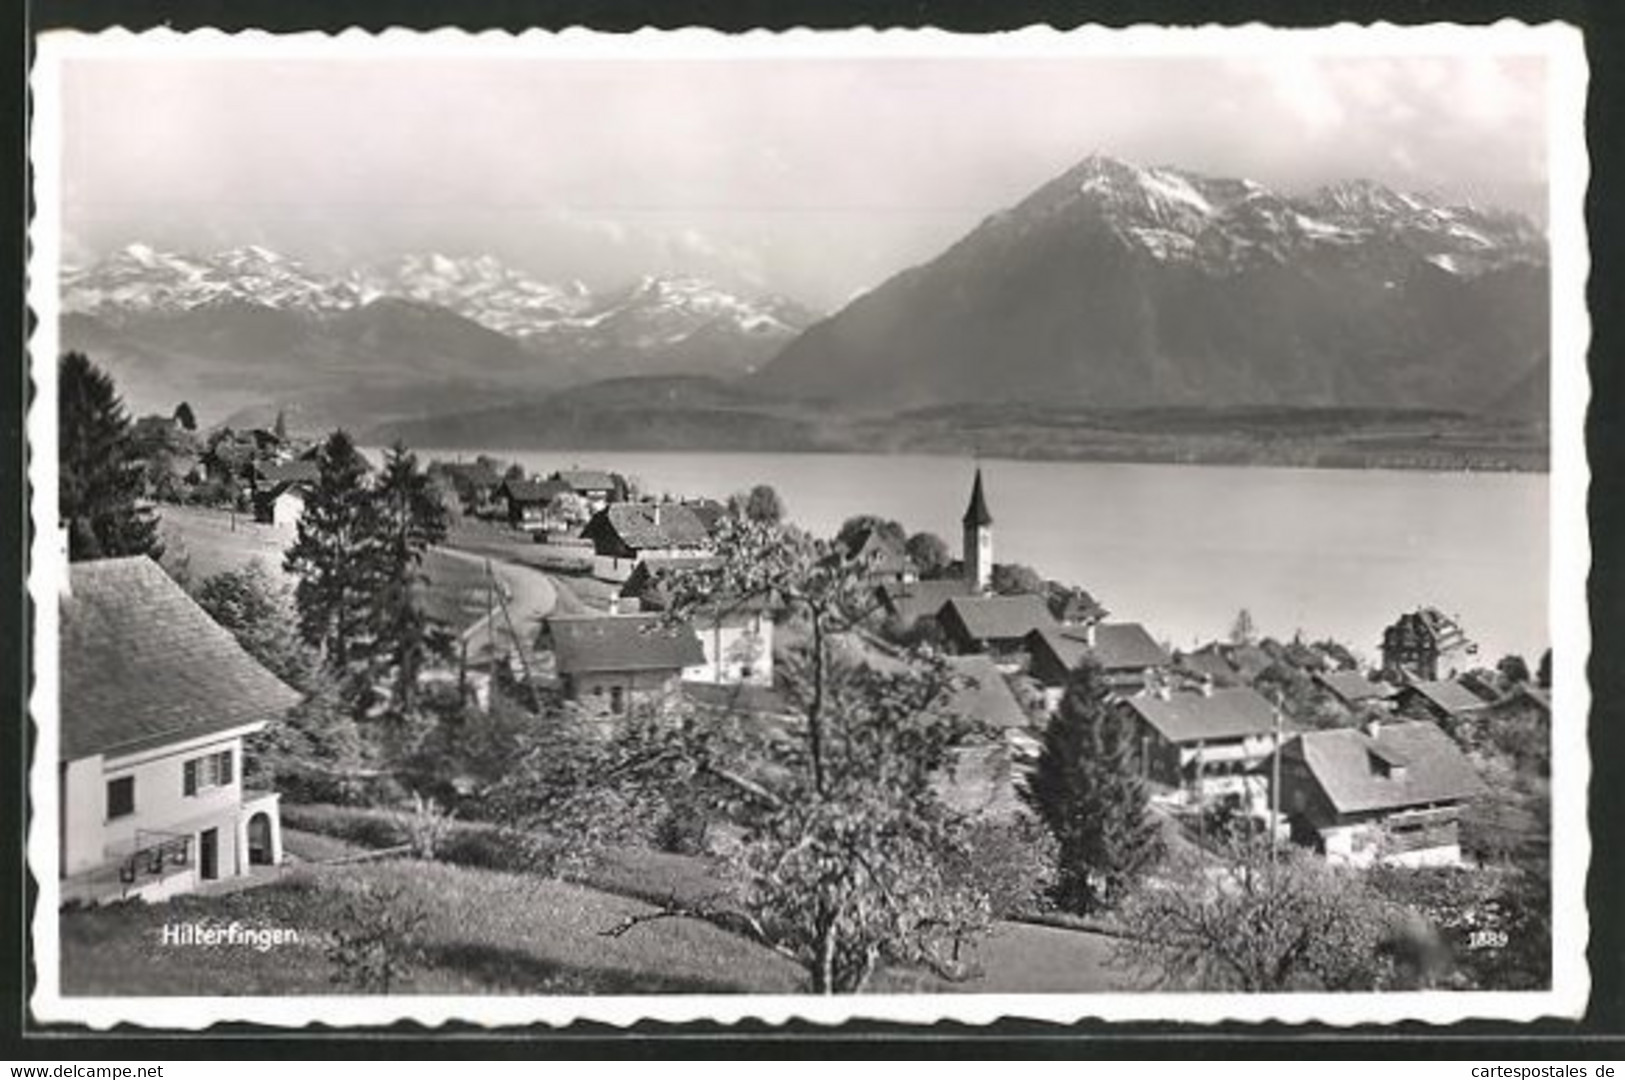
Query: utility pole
[1275, 787]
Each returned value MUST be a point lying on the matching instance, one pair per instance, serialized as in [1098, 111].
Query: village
[574, 589]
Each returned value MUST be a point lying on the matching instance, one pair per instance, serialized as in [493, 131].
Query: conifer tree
[336, 556]
[1088, 790]
[411, 517]
[101, 478]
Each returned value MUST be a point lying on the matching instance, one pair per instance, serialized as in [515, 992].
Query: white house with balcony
[156, 701]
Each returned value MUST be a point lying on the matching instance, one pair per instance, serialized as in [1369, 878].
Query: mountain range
[1113, 286]
[1117, 285]
[252, 328]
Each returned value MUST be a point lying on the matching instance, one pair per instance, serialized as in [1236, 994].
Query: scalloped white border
[1563, 47]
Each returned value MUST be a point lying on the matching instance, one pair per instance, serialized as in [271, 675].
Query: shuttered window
[208, 771]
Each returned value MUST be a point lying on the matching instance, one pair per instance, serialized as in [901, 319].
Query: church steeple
[978, 539]
[976, 513]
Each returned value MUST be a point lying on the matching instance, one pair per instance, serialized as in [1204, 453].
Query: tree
[375, 946]
[763, 505]
[280, 427]
[1242, 631]
[101, 478]
[929, 553]
[1014, 579]
[336, 556]
[514, 473]
[1257, 921]
[1543, 673]
[410, 518]
[847, 856]
[1088, 789]
[1513, 668]
[185, 417]
[259, 613]
[854, 526]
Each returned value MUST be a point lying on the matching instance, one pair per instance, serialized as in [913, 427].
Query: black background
[1599, 1035]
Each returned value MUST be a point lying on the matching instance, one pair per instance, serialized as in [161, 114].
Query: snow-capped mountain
[139, 280]
[254, 322]
[1116, 284]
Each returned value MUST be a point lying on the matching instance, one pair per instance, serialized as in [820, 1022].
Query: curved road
[530, 596]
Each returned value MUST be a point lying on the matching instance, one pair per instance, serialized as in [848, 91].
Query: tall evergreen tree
[280, 427]
[411, 517]
[1088, 790]
[185, 417]
[337, 558]
[101, 478]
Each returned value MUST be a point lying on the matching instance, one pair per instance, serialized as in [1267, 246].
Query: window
[617, 700]
[120, 797]
[208, 771]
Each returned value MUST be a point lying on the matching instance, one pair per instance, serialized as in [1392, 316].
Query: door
[209, 854]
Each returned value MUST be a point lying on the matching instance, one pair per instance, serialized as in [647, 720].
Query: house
[610, 663]
[882, 557]
[281, 506]
[1206, 743]
[1355, 691]
[624, 534]
[1425, 644]
[993, 624]
[709, 511]
[906, 603]
[1443, 700]
[475, 483]
[156, 700]
[1128, 657]
[598, 488]
[1390, 792]
[737, 636]
[1208, 664]
[529, 502]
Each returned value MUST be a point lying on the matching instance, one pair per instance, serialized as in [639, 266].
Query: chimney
[1373, 727]
[657, 514]
[1163, 692]
[1207, 686]
[1089, 633]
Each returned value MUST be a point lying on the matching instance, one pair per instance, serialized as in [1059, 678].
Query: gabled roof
[301, 472]
[985, 696]
[976, 513]
[990, 618]
[643, 526]
[586, 479]
[915, 600]
[879, 552]
[594, 643]
[1117, 646]
[1191, 717]
[1422, 765]
[142, 665]
[709, 511]
[1353, 687]
[533, 491]
[1207, 661]
[1448, 695]
[647, 582]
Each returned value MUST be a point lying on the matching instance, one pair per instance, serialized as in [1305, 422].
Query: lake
[1183, 548]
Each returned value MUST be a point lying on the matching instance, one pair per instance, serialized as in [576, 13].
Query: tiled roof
[985, 696]
[291, 472]
[1406, 763]
[533, 491]
[990, 618]
[653, 525]
[1449, 695]
[647, 582]
[142, 665]
[922, 599]
[1207, 661]
[879, 552]
[587, 479]
[1192, 717]
[1117, 647]
[1353, 687]
[592, 643]
[709, 511]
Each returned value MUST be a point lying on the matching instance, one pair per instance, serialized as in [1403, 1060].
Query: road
[530, 596]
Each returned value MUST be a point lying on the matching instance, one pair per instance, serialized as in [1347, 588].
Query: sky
[816, 178]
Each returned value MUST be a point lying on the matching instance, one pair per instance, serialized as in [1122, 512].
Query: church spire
[976, 515]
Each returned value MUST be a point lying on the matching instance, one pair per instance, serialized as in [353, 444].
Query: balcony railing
[153, 852]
